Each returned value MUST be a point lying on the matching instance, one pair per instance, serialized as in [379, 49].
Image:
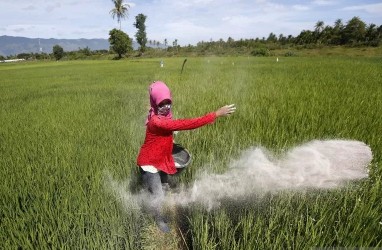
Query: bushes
[267, 52]
[289, 53]
[261, 52]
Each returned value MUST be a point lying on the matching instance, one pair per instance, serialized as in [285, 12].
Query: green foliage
[261, 52]
[289, 53]
[354, 31]
[141, 33]
[120, 42]
[86, 51]
[58, 52]
[67, 125]
[23, 56]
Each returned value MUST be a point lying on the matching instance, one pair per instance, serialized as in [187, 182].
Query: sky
[188, 21]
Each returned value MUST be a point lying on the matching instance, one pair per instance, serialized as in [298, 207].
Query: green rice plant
[64, 125]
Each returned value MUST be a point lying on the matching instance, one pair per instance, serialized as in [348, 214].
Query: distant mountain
[11, 45]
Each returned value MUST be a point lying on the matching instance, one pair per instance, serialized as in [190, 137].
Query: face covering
[158, 92]
[164, 110]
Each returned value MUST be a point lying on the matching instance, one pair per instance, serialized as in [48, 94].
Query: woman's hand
[225, 110]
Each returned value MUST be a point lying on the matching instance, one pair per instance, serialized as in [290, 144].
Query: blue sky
[188, 21]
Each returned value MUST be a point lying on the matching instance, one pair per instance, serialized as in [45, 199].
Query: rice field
[66, 127]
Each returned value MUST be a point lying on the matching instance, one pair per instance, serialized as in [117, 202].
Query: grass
[63, 124]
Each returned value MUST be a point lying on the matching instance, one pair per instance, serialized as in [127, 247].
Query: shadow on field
[197, 220]
[195, 223]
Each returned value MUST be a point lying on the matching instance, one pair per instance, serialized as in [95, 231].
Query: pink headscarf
[158, 92]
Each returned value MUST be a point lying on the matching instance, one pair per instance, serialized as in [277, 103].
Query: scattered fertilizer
[317, 164]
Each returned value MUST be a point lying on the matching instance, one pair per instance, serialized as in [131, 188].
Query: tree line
[354, 32]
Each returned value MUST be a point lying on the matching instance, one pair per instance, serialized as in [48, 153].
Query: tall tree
[371, 32]
[379, 35]
[318, 30]
[58, 52]
[120, 10]
[141, 37]
[354, 31]
[337, 32]
[319, 26]
[272, 38]
[305, 37]
[338, 24]
[282, 39]
[120, 42]
[175, 43]
[326, 35]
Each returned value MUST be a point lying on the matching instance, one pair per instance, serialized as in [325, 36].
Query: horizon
[189, 23]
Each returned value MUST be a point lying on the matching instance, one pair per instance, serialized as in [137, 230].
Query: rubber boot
[162, 225]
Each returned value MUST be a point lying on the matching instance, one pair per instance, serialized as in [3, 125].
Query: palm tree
[338, 24]
[337, 32]
[319, 27]
[318, 31]
[120, 10]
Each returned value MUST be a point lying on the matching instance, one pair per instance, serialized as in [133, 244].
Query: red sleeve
[182, 124]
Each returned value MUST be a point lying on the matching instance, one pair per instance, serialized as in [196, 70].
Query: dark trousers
[153, 183]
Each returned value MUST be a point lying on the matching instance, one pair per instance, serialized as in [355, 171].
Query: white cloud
[132, 5]
[185, 32]
[52, 7]
[29, 7]
[187, 4]
[370, 8]
[324, 2]
[300, 7]
[273, 7]
[239, 20]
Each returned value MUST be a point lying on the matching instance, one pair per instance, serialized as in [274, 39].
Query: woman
[155, 156]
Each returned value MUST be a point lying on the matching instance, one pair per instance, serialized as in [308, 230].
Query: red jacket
[157, 147]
